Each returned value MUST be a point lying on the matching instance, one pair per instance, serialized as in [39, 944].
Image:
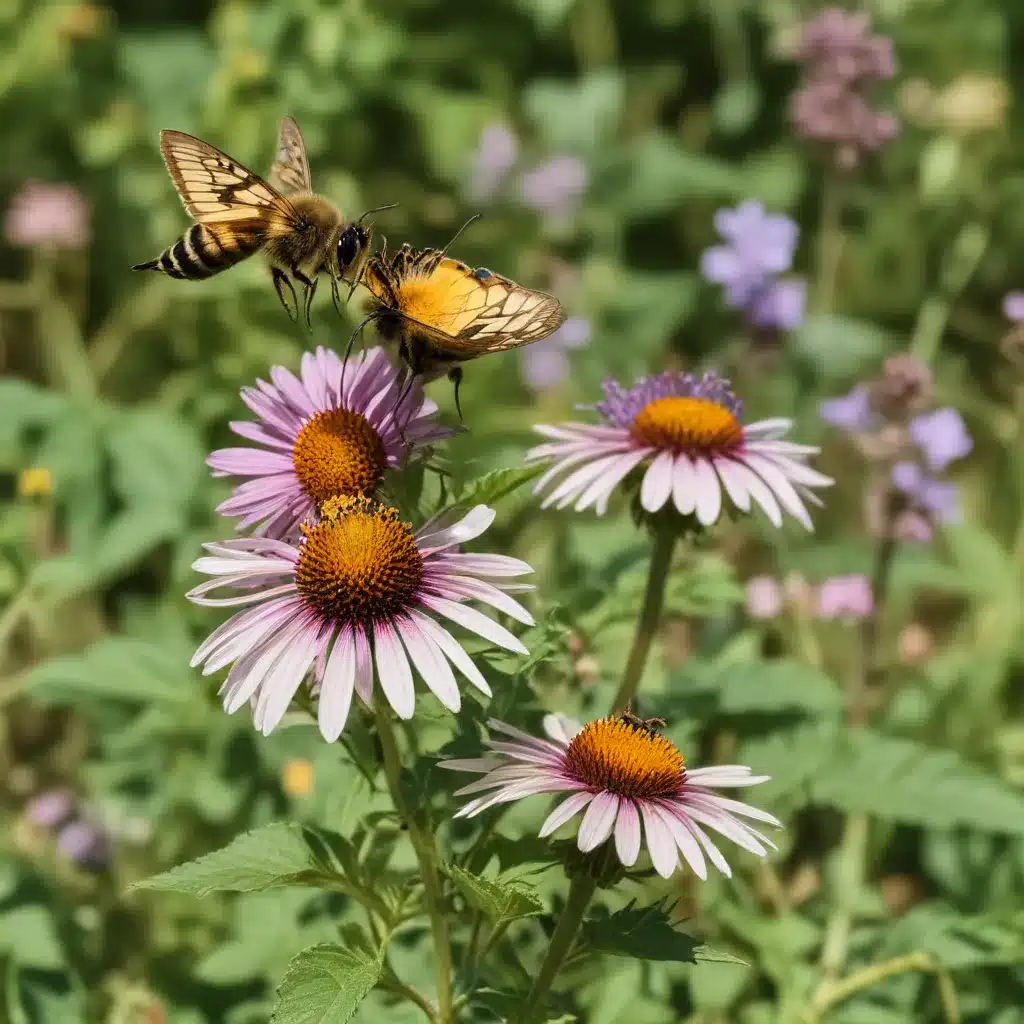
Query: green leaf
[906, 781]
[499, 483]
[642, 932]
[283, 853]
[839, 347]
[578, 114]
[28, 935]
[116, 667]
[497, 899]
[24, 405]
[325, 985]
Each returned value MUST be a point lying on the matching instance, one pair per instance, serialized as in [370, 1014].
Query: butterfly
[238, 213]
[441, 313]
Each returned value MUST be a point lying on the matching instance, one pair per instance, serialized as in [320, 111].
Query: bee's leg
[280, 280]
[310, 292]
[336, 295]
[455, 376]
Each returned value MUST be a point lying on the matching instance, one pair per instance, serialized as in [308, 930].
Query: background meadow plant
[871, 668]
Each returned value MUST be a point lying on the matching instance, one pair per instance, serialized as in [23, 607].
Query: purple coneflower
[687, 433]
[359, 587]
[622, 774]
[317, 442]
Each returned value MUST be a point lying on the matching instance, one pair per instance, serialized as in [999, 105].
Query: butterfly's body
[237, 214]
[441, 313]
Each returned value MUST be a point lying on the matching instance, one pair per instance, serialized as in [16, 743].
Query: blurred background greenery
[598, 138]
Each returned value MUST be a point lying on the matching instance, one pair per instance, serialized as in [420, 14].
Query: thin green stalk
[830, 244]
[426, 857]
[650, 616]
[580, 893]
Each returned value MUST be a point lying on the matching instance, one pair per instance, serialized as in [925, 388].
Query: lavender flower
[851, 412]
[555, 187]
[544, 365]
[937, 499]
[493, 160]
[51, 809]
[780, 306]
[86, 844]
[942, 437]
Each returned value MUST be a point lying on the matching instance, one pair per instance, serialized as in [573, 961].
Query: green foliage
[642, 932]
[499, 900]
[325, 985]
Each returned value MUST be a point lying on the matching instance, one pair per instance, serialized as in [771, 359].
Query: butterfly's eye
[350, 244]
[482, 274]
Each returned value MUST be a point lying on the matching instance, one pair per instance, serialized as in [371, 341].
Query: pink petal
[393, 670]
[598, 821]
[657, 483]
[564, 811]
[337, 686]
[627, 833]
[660, 842]
[430, 663]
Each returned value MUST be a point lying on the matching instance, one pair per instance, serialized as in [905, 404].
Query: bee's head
[353, 242]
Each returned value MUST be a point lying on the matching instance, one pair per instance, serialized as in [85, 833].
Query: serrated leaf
[325, 985]
[499, 483]
[902, 780]
[642, 932]
[497, 899]
[283, 853]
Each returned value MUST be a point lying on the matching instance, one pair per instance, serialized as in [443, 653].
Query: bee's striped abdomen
[200, 253]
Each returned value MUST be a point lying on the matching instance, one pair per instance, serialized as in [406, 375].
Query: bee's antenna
[476, 216]
[377, 209]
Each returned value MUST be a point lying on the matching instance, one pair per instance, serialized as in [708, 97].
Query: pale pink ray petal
[464, 586]
[393, 671]
[627, 833]
[656, 488]
[758, 490]
[474, 523]
[567, 809]
[474, 620]
[600, 490]
[781, 487]
[660, 842]
[364, 666]
[713, 853]
[598, 821]
[280, 685]
[684, 484]
[688, 846]
[561, 728]
[337, 686]
[472, 764]
[431, 664]
[733, 482]
[708, 492]
[254, 432]
[733, 806]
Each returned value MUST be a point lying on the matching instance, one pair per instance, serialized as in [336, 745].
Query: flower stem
[650, 616]
[580, 893]
[830, 244]
[426, 857]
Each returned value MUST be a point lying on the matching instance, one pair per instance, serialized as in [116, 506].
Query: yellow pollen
[629, 760]
[297, 777]
[338, 452]
[681, 422]
[35, 483]
[360, 563]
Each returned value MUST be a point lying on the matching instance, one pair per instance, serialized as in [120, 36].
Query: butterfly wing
[465, 313]
[223, 195]
[290, 173]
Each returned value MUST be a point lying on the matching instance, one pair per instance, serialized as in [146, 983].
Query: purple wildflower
[942, 437]
[779, 306]
[851, 412]
[86, 844]
[44, 213]
[938, 499]
[1013, 306]
[846, 597]
[764, 597]
[51, 809]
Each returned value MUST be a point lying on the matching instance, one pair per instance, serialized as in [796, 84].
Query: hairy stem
[580, 893]
[650, 616]
[426, 857]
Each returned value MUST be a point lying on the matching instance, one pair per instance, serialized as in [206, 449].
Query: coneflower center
[684, 422]
[629, 760]
[338, 452]
[360, 563]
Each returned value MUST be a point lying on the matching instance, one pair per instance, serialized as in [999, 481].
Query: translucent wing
[468, 312]
[290, 173]
[220, 192]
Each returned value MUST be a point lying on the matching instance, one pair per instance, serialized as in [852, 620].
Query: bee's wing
[221, 193]
[465, 316]
[290, 173]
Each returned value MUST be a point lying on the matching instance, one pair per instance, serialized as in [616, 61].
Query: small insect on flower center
[338, 452]
[630, 760]
[683, 422]
[360, 563]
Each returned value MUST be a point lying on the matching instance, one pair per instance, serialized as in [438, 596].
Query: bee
[441, 313]
[649, 725]
[237, 214]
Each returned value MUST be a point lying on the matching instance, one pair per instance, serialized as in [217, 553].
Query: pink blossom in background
[1013, 306]
[555, 187]
[493, 160]
[764, 597]
[43, 213]
[544, 365]
[845, 597]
